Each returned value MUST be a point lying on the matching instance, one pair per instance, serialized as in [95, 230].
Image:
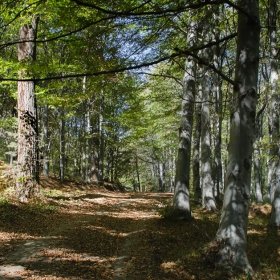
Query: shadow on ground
[90, 234]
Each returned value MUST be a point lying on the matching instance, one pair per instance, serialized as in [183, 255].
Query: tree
[196, 149]
[257, 158]
[218, 57]
[274, 168]
[28, 162]
[231, 237]
[207, 184]
[45, 140]
[208, 197]
[181, 199]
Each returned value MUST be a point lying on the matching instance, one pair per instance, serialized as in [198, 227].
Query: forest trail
[91, 234]
[79, 232]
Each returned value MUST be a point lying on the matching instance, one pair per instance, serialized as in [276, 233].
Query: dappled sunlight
[95, 235]
[260, 210]
[63, 254]
[134, 215]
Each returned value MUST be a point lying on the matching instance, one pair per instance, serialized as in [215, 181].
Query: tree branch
[130, 12]
[179, 81]
[99, 73]
[214, 43]
[59, 36]
[178, 53]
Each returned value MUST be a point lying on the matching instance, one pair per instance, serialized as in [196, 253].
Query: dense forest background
[97, 122]
[150, 95]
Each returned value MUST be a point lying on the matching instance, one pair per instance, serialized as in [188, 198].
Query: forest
[165, 97]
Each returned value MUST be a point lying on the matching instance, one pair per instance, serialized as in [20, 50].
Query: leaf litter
[87, 232]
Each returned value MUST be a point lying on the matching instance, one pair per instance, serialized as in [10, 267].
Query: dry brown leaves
[88, 232]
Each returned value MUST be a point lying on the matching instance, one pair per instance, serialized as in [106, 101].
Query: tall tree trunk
[196, 150]
[61, 145]
[218, 97]
[161, 176]
[101, 141]
[93, 143]
[274, 118]
[181, 199]
[232, 233]
[257, 176]
[85, 143]
[275, 211]
[217, 168]
[45, 140]
[207, 184]
[137, 171]
[86, 152]
[257, 158]
[28, 161]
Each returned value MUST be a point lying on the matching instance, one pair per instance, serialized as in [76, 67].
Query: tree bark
[274, 119]
[45, 140]
[257, 158]
[232, 233]
[85, 151]
[93, 143]
[161, 176]
[181, 199]
[137, 171]
[196, 150]
[217, 170]
[275, 211]
[257, 176]
[208, 197]
[28, 161]
[101, 141]
[61, 144]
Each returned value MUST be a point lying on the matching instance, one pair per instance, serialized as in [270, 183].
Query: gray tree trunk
[232, 233]
[257, 158]
[93, 143]
[85, 151]
[217, 170]
[273, 115]
[61, 145]
[137, 171]
[101, 141]
[196, 150]
[207, 184]
[45, 140]
[28, 161]
[161, 176]
[181, 199]
[275, 211]
[274, 119]
[257, 176]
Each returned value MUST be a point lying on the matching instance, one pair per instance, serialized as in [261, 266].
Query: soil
[80, 232]
[84, 232]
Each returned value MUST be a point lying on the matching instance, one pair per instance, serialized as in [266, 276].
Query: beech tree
[207, 184]
[231, 237]
[274, 163]
[181, 199]
[208, 197]
[196, 149]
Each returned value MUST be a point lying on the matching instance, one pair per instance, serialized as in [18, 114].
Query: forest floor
[88, 232]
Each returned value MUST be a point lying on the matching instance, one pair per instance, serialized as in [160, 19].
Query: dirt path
[96, 236]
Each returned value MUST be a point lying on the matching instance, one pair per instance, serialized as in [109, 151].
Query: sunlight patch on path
[11, 271]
